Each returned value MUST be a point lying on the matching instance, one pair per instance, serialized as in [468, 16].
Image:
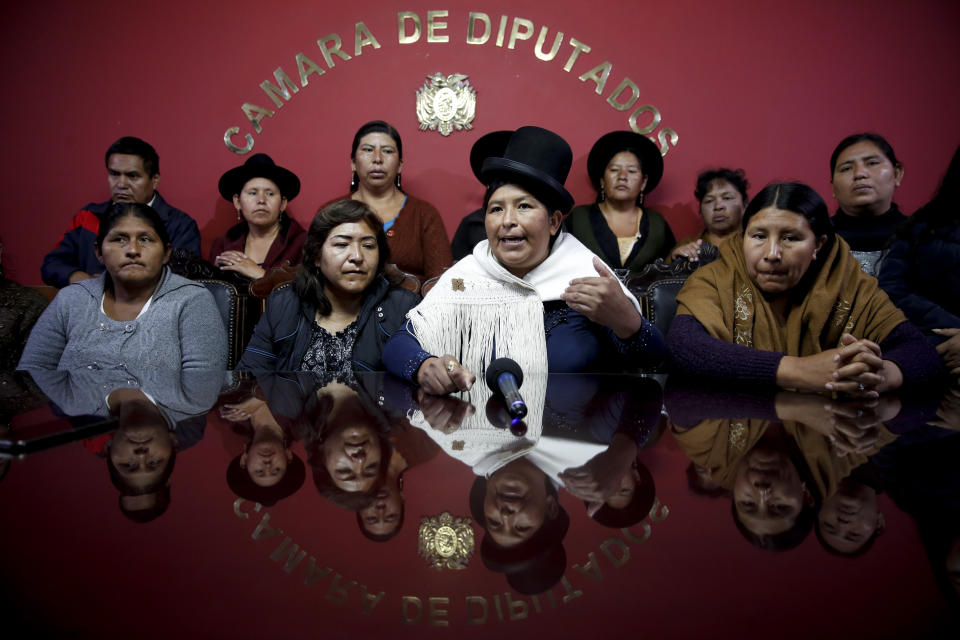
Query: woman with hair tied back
[340, 310]
[136, 314]
[787, 304]
[864, 172]
[414, 229]
[624, 166]
[265, 236]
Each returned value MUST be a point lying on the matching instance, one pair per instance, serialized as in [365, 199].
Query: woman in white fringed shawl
[530, 292]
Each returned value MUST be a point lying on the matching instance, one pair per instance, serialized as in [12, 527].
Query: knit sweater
[181, 329]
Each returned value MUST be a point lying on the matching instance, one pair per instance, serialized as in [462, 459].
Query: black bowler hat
[488, 146]
[259, 165]
[536, 155]
[609, 145]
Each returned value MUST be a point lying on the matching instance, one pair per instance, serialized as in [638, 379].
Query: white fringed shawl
[477, 304]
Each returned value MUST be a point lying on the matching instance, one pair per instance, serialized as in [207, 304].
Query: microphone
[505, 377]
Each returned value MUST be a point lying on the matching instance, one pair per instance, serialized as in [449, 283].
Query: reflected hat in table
[259, 165]
[534, 155]
[610, 144]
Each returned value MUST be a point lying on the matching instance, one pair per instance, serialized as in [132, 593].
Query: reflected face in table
[768, 493]
[141, 453]
[385, 515]
[849, 518]
[351, 455]
[517, 503]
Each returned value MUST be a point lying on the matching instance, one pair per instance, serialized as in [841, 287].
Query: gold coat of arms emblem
[446, 542]
[446, 103]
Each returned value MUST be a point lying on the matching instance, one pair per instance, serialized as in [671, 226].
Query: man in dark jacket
[133, 172]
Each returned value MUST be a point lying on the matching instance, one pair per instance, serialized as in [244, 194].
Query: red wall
[767, 86]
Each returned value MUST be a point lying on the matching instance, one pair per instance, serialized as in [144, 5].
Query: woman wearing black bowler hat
[472, 228]
[265, 235]
[529, 291]
[624, 166]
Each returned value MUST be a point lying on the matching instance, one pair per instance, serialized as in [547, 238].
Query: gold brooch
[457, 284]
[446, 542]
[445, 103]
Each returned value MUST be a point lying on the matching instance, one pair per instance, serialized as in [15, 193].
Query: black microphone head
[501, 366]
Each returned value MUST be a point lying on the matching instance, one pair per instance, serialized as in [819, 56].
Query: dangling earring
[353, 181]
[239, 216]
[640, 204]
[603, 196]
[398, 183]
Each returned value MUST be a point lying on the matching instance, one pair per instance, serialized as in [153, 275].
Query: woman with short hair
[340, 310]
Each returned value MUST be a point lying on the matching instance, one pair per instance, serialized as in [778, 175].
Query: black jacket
[284, 332]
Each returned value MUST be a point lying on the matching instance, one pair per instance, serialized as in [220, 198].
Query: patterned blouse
[330, 353]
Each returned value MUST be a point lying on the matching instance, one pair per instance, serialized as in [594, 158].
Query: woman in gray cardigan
[136, 314]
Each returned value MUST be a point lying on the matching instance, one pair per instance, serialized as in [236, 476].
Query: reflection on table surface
[226, 504]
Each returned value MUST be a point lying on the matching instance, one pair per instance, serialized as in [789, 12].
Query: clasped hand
[240, 263]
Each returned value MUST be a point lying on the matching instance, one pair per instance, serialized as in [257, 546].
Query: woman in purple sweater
[787, 304]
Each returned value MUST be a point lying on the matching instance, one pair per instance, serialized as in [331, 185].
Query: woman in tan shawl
[786, 303]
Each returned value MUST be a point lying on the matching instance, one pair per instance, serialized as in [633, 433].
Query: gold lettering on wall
[472, 19]
[403, 37]
[282, 89]
[255, 114]
[654, 120]
[511, 33]
[328, 52]
[668, 138]
[434, 25]
[502, 31]
[578, 48]
[557, 41]
[614, 98]
[363, 38]
[306, 66]
[522, 30]
[598, 74]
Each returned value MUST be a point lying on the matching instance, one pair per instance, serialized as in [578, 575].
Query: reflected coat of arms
[446, 542]
[445, 103]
